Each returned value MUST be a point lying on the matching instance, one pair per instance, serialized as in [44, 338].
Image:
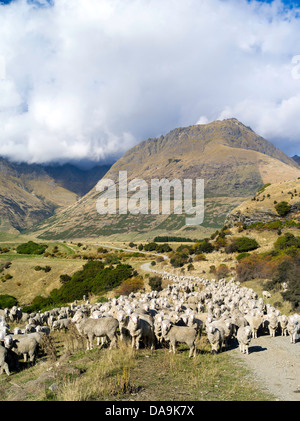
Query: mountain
[296, 158]
[29, 193]
[262, 207]
[231, 158]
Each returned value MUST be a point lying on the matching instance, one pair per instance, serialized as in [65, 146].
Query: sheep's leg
[25, 357]
[137, 342]
[90, 342]
[113, 340]
[192, 351]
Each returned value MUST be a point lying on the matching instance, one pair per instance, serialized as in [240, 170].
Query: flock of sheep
[180, 313]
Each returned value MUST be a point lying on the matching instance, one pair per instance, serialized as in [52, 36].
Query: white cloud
[91, 78]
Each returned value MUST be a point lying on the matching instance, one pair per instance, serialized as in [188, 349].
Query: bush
[8, 301]
[155, 283]
[203, 246]
[130, 285]
[92, 278]
[200, 258]
[242, 256]
[179, 259]
[282, 208]
[222, 271]
[244, 244]
[45, 268]
[287, 241]
[31, 248]
[255, 266]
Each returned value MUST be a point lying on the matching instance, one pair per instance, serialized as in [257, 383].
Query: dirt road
[275, 364]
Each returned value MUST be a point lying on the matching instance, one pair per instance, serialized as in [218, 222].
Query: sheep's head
[8, 341]
[165, 327]
[135, 318]
[211, 329]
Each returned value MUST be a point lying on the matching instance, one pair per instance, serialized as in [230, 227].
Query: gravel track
[275, 364]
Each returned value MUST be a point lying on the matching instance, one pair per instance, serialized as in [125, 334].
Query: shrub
[65, 278]
[200, 258]
[222, 271]
[190, 267]
[130, 285]
[244, 244]
[286, 241]
[255, 266]
[242, 256]
[179, 259]
[212, 269]
[7, 301]
[282, 208]
[155, 283]
[203, 246]
[31, 248]
[92, 278]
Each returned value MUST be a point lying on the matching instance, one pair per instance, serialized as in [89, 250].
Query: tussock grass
[107, 375]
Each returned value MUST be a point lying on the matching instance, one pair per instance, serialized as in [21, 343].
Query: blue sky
[88, 79]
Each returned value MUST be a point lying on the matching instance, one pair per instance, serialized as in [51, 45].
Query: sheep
[26, 345]
[266, 294]
[61, 324]
[103, 327]
[283, 322]
[244, 336]
[255, 321]
[43, 329]
[157, 328]
[226, 326]
[141, 329]
[3, 363]
[15, 314]
[272, 324]
[195, 322]
[182, 334]
[238, 320]
[123, 325]
[293, 328]
[215, 336]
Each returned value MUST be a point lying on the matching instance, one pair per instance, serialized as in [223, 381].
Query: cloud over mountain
[89, 79]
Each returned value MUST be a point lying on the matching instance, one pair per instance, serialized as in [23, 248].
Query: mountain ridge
[222, 153]
[30, 193]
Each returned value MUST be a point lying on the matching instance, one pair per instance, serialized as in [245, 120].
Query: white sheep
[141, 328]
[91, 328]
[179, 334]
[216, 337]
[244, 336]
[3, 363]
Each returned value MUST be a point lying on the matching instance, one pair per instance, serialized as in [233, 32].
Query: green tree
[282, 208]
